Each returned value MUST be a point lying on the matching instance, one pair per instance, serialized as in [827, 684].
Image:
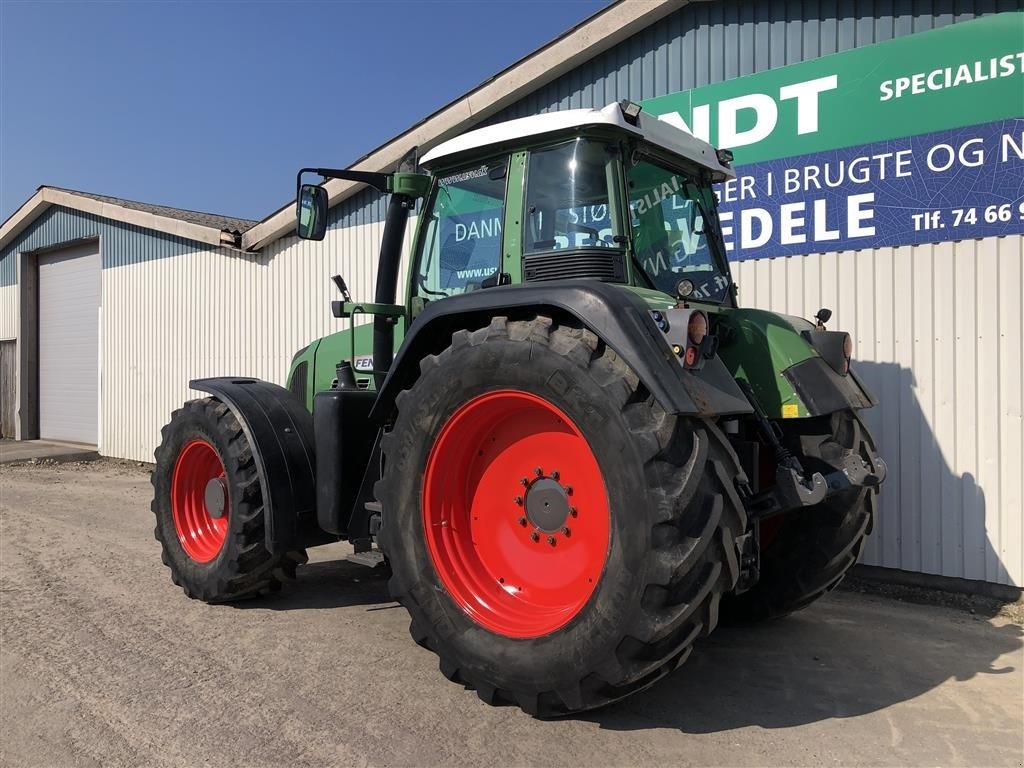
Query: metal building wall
[8, 312]
[938, 327]
[939, 338]
[126, 243]
[119, 244]
[953, 431]
[710, 42]
[207, 313]
[175, 310]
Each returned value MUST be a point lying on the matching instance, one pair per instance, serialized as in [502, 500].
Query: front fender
[280, 433]
[777, 356]
[617, 315]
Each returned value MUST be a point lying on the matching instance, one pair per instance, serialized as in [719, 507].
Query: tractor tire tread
[244, 568]
[814, 550]
[696, 514]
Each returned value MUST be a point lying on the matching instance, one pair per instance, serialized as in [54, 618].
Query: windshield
[672, 237]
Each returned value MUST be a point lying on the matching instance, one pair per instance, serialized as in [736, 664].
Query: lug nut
[566, 531]
[573, 511]
[568, 490]
[518, 500]
[552, 540]
[524, 482]
[538, 472]
[554, 474]
[535, 536]
[522, 521]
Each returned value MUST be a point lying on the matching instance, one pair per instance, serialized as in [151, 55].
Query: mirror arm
[378, 181]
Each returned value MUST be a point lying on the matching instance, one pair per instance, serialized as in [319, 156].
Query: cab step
[371, 558]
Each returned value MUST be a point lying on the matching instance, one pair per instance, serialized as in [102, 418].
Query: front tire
[474, 517]
[209, 508]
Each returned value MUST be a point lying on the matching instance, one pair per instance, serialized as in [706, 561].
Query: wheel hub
[547, 505]
[216, 497]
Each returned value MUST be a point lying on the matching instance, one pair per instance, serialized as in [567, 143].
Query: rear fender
[280, 432]
[618, 316]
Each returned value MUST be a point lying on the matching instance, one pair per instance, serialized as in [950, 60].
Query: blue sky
[214, 106]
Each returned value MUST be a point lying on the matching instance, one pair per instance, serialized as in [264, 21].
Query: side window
[669, 231]
[461, 246]
[567, 198]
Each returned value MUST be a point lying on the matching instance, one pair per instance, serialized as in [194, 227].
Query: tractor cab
[613, 195]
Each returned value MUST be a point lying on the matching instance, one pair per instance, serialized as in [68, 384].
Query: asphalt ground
[104, 662]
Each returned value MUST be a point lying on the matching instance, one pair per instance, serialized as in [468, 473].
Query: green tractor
[572, 449]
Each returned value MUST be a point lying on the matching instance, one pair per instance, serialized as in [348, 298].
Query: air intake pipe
[387, 282]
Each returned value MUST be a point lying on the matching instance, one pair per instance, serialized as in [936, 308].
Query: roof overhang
[597, 34]
[47, 196]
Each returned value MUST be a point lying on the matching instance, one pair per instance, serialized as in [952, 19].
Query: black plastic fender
[615, 314]
[280, 432]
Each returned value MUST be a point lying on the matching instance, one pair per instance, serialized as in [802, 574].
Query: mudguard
[280, 431]
[615, 314]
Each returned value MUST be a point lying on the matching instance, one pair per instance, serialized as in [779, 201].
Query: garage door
[69, 344]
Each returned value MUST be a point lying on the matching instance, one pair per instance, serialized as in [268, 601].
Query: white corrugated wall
[8, 312]
[939, 335]
[222, 313]
[938, 332]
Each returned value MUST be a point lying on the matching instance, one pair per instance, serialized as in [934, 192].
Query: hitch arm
[793, 487]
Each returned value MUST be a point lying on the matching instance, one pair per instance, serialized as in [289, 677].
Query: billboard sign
[914, 140]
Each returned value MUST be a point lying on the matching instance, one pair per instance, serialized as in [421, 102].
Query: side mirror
[311, 212]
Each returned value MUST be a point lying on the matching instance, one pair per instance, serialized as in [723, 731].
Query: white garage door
[69, 344]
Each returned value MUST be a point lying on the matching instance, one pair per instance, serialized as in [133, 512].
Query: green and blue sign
[914, 140]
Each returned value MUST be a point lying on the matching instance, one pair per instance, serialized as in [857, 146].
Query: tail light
[697, 328]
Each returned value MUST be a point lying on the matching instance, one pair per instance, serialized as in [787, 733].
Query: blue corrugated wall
[710, 42]
[121, 243]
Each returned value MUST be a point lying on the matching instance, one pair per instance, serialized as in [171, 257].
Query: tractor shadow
[847, 656]
[326, 584]
[852, 654]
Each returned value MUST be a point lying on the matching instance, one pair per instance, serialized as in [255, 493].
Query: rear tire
[667, 507]
[810, 551]
[214, 554]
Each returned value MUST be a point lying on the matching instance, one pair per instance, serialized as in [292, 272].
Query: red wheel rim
[200, 533]
[494, 526]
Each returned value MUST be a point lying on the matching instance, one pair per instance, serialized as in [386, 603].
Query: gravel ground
[104, 662]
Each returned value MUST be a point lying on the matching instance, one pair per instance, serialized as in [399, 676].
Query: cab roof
[648, 127]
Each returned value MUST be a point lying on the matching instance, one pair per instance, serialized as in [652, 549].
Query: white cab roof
[657, 132]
